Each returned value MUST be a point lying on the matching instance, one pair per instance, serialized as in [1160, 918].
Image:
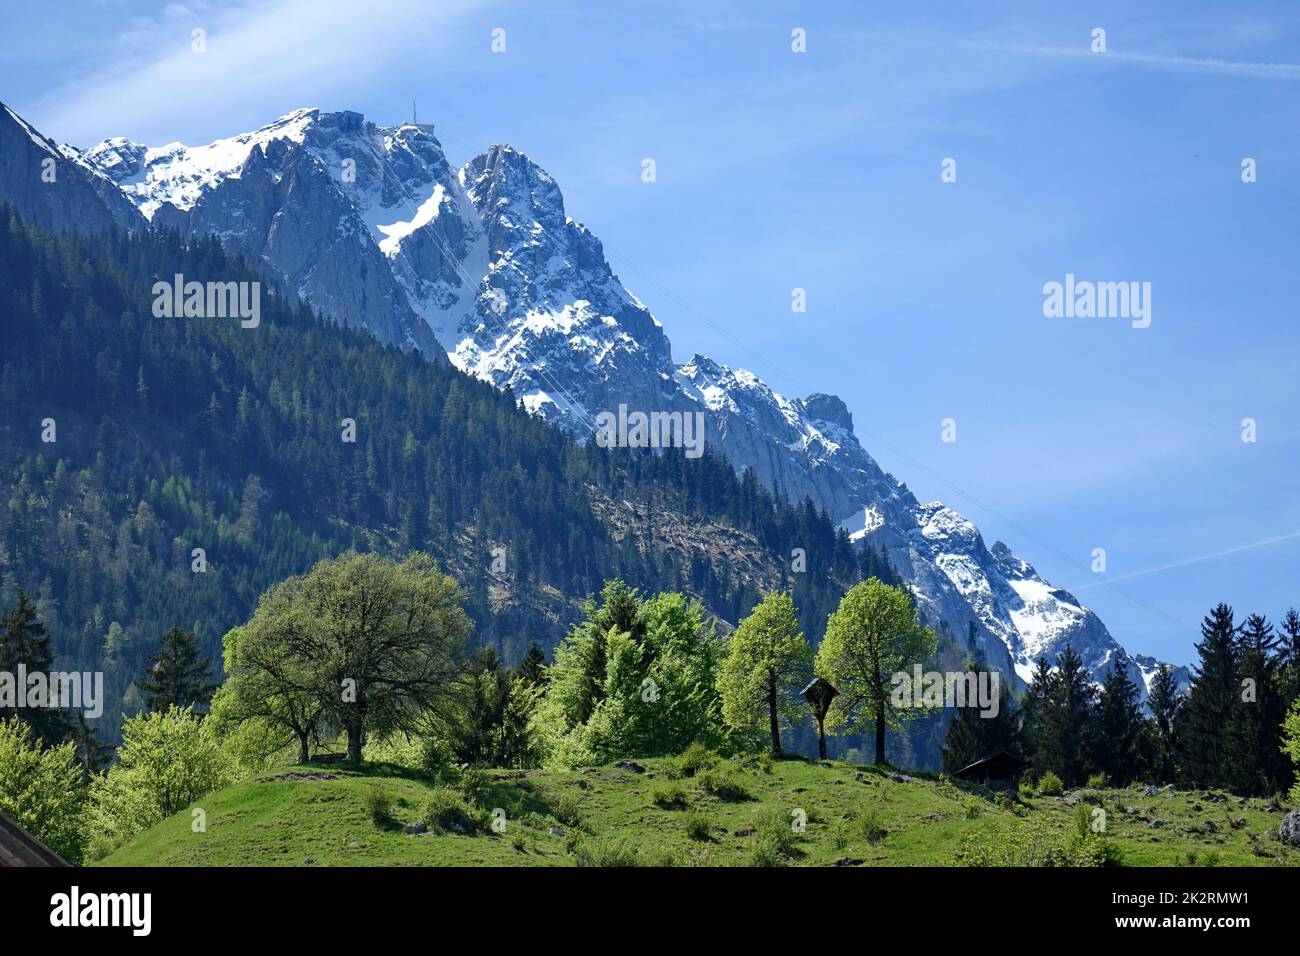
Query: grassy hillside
[727, 815]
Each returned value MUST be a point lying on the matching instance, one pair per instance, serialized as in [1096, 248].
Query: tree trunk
[821, 737]
[303, 753]
[354, 743]
[880, 733]
[771, 711]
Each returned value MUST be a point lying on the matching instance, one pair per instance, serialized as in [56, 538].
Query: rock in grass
[1290, 829]
[411, 829]
[630, 765]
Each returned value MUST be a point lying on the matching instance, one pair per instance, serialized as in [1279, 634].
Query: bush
[695, 759]
[773, 824]
[870, 825]
[766, 852]
[669, 796]
[567, 810]
[1050, 785]
[1098, 781]
[698, 827]
[378, 803]
[446, 810]
[722, 785]
[617, 853]
[41, 788]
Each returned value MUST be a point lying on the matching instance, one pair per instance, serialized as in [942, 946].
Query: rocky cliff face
[53, 187]
[372, 225]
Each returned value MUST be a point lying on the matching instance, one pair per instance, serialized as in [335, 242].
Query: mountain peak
[829, 408]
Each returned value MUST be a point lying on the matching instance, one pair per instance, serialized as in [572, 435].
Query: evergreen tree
[1033, 716]
[1254, 759]
[1118, 728]
[532, 669]
[1211, 702]
[24, 640]
[1065, 725]
[973, 735]
[179, 675]
[1163, 701]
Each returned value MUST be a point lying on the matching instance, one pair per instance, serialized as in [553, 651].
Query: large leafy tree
[41, 787]
[179, 675]
[382, 642]
[270, 688]
[167, 760]
[872, 635]
[768, 663]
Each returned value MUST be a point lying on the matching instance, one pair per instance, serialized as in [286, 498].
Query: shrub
[669, 796]
[446, 809]
[773, 824]
[378, 803]
[766, 852]
[695, 759]
[567, 810]
[1050, 785]
[697, 827]
[870, 825]
[40, 787]
[1098, 781]
[722, 785]
[605, 853]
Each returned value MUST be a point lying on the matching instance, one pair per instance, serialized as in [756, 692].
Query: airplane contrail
[1186, 561]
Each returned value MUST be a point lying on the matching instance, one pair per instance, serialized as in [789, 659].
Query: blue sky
[820, 170]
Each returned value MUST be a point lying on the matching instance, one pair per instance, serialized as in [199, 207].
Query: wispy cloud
[1278, 539]
[290, 52]
[1245, 68]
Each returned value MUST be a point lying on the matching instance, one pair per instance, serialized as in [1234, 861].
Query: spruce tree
[1033, 716]
[532, 669]
[1255, 763]
[973, 735]
[24, 640]
[178, 674]
[1203, 719]
[1117, 731]
[1164, 701]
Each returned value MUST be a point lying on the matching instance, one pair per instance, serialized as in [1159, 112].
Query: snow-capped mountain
[372, 225]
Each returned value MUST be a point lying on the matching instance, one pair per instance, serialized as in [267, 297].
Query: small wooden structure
[20, 848]
[819, 693]
[1000, 770]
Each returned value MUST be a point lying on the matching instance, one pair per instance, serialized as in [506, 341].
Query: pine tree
[1164, 702]
[973, 735]
[1254, 756]
[1033, 715]
[24, 641]
[532, 669]
[92, 755]
[1117, 731]
[178, 674]
[1067, 719]
[1203, 719]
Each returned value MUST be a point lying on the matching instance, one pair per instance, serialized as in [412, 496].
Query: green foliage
[617, 853]
[869, 824]
[41, 787]
[698, 827]
[379, 804]
[491, 726]
[1050, 785]
[167, 760]
[1035, 844]
[178, 675]
[669, 796]
[636, 678]
[723, 784]
[24, 640]
[1291, 743]
[767, 664]
[872, 635]
[694, 759]
[447, 810]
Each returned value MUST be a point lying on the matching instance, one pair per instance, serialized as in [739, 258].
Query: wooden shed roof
[20, 848]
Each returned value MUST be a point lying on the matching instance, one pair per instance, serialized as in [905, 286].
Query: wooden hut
[998, 771]
[20, 848]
